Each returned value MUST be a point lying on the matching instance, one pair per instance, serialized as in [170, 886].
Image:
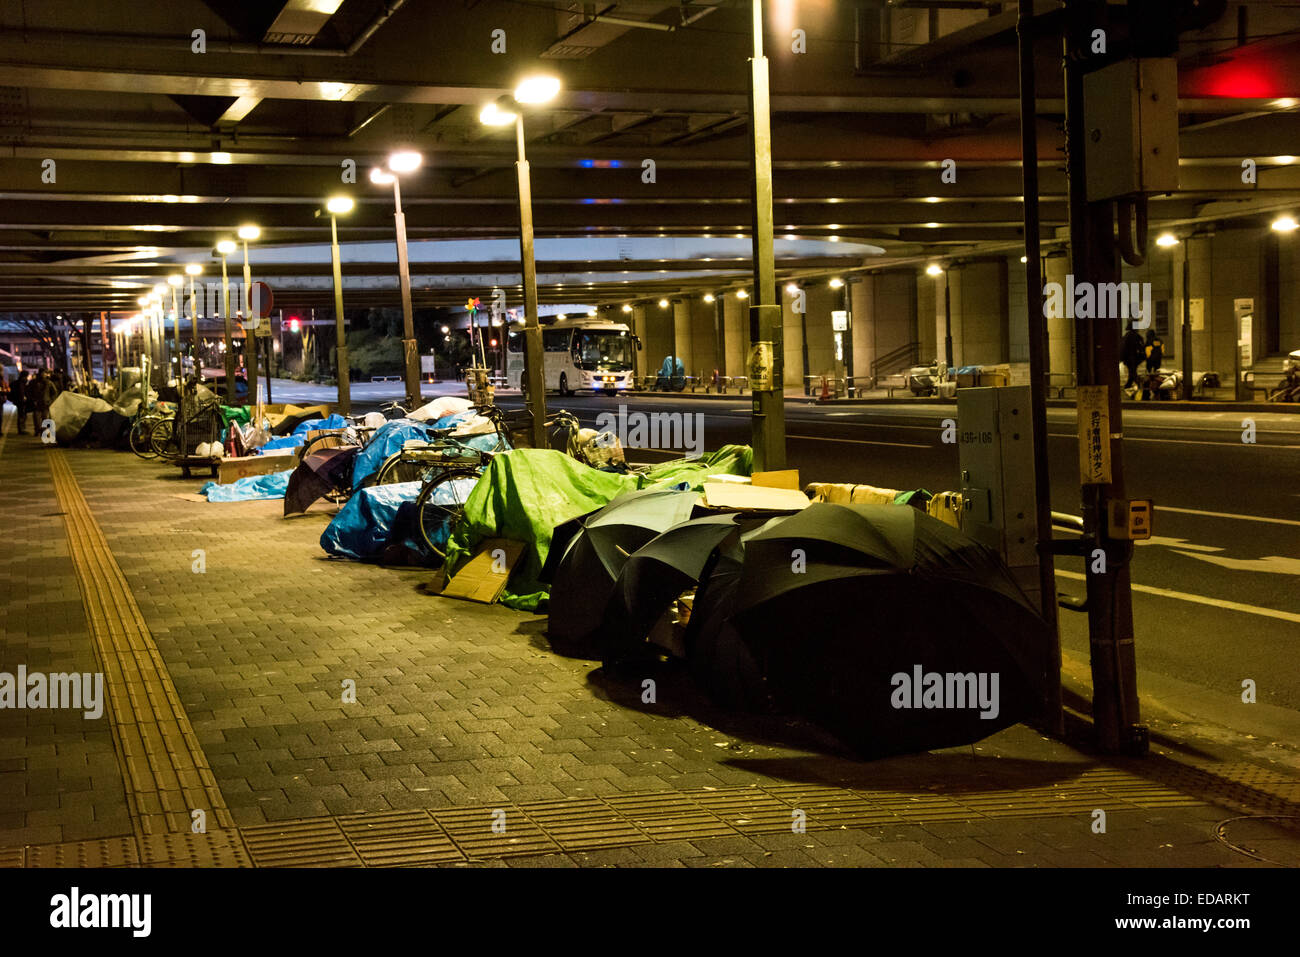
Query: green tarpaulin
[524, 494]
[237, 413]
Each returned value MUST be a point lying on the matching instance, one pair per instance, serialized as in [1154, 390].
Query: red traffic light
[294, 324]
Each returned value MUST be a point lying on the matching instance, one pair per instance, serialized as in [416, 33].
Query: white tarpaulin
[439, 407]
[71, 411]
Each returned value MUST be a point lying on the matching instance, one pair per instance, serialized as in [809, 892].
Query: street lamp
[935, 270]
[337, 206]
[403, 161]
[246, 233]
[531, 91]
[1285, 224]
[193, 270]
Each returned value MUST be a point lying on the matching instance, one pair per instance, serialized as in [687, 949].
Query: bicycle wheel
[141, 429]
[440, 505]
[397, 469]
[162, 440]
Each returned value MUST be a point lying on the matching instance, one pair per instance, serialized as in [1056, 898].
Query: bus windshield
[602, 350]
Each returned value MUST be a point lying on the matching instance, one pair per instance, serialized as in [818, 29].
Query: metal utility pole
[1096, 260]
[533, 357]
[250, 339]
[229, 332]
[766, 335]
[412, 355]
[949, 360]
[341, 349]
[1038, 364]
[1187, 319]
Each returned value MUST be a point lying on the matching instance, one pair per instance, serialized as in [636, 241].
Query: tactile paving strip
[163, 768]
[420, 838]
[315, 843]
[399, 839]
[106, 852]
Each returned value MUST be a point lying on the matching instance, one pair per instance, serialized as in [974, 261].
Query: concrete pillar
[1060, 330]
[703, 349]
[736, 333]
[820, 299]
[794, 366]
[682, 332]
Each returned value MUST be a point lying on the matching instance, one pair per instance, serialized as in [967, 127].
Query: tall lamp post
[224, 248]
[533, 91]
[337, 206]
[193, 270]
[246, 233]
[156, 334]
[405, 161]
[935, 271]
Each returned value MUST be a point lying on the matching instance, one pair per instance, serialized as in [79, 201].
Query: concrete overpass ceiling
[161, 150]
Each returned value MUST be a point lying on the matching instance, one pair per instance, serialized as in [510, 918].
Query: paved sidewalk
[230, 638]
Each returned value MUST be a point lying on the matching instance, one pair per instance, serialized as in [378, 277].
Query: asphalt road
[1216, 590]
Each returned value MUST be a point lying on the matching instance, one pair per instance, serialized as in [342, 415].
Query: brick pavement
[463, 709]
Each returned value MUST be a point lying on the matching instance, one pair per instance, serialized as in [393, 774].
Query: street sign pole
[766, 334]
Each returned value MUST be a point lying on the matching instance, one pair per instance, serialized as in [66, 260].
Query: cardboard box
[781, 478]
[726, 495]
[228, 470]
[483, 578]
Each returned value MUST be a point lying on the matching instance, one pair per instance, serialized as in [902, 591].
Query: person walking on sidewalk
[1132, 352]
[1155, 350]
[18, 396]
[40, 393]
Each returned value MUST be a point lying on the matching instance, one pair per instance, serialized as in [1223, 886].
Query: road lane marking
[1177, 543]
[1199, 599]
[1273, 564]
[823, 438]
[1232, 515]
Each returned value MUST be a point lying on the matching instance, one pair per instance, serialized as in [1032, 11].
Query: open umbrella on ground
[317, 475]
[585, 574]
[887, 627]
[660, 571]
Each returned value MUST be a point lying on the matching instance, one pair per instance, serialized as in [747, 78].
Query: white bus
[580, 354]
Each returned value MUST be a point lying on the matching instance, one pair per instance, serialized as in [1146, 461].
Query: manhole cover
[1275, 839]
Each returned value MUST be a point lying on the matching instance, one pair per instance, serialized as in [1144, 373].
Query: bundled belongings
[71, 411]
[526, 493]
[248, 489]
[379, 523]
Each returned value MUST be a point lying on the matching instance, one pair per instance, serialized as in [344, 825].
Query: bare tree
[50, 333]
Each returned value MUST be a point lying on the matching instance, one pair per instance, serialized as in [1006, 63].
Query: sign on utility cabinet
[1094, 434]
[996, 458]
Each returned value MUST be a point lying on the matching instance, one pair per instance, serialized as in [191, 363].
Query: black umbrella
[317, 475]
[660, 571]
[889, 628]
[585, 574]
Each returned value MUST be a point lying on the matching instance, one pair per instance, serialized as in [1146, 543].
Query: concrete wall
[736, 333]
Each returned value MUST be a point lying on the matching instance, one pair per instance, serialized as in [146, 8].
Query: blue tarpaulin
[388, 438]
[249, 488]
[299, 435]
[364, 526]
[384, 515]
